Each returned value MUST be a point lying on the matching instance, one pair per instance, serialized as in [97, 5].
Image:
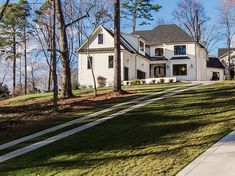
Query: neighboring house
[165, 51]
[223, 57]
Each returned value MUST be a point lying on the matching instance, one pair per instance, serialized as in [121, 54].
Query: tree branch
[4, 8]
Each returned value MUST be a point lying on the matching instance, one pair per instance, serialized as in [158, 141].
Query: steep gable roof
[214, 62]
[224, 51]
[165, 34]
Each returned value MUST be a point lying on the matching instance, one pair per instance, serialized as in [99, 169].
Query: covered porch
[158, 70]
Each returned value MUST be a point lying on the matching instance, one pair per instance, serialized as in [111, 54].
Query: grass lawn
[22, 117]
[158, 139]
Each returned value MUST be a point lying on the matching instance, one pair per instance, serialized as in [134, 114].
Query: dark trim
[180, 58]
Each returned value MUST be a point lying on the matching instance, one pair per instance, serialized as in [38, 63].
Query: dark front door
[126, 74]
[160, 71]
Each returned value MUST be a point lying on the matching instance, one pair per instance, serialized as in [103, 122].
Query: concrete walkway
[65, 134]
[219, 160]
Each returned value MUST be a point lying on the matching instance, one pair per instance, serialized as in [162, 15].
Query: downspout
[196, 61]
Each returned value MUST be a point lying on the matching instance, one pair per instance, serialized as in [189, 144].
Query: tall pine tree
[139, 9]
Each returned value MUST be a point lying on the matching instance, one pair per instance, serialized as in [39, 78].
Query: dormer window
[180, 50]
[141, 46]
[159, 52]
[100, 39]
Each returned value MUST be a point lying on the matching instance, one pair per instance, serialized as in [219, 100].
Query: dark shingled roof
[180, 58]
[214, 63]
[223, 51]
[165, 34]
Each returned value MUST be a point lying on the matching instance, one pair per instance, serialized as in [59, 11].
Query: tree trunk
[92, 70]
[134, 16]
[25, 62]
[117, 50]
[49, 79]
[14, 65]
[66, 71]
[54, 67]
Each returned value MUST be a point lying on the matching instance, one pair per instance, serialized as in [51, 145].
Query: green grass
[45, 96]
[17, 111]
[158, 139]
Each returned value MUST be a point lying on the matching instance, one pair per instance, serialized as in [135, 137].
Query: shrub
[75, 86]
[4, 91]
[162, 81]
[153, 81]
[135, 82]
[101, 81]
[171, 80]
[143, 81]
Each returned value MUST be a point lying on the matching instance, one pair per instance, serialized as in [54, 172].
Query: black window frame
[89, 64]
[178, 72]
[111, 62]
[161, 51]
[141, 74]
[100, 39]
[142, 47]
[180, 50]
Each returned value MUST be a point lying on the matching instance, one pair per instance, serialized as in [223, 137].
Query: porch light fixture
[142, 64]
[191, 65]
[167, 67]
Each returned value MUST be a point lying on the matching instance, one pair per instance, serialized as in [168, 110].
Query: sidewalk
[219, 160]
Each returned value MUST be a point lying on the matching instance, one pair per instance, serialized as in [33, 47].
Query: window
[100, 39]
[159, 52]
[140, 74]
[180, 70]
[89, 62]
[110, 61]
[180, 50]
[141, 46]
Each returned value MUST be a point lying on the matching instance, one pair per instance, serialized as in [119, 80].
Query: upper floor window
[180, 50]
[89, 62]
[141, 46]
[159, 52]
[111, 61]
[100, 38]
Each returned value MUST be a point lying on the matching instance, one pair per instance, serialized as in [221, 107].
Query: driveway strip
[76, 121]
[63, 135]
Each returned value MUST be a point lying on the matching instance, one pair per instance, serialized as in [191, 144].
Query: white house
[223, 57]
[165, 51]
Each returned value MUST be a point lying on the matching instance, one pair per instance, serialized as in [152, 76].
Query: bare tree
[227, 21]
[191, 15]
[64, 52]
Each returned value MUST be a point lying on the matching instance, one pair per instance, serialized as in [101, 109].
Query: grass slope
[158, 139]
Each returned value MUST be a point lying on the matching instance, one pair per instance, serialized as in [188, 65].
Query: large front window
[159, 52]
[180, 50]
[180, 70]
[141, 75]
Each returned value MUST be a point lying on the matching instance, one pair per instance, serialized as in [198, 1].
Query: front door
[126, 74]
[159, 71]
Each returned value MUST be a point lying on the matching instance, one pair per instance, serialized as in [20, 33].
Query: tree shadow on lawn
[122, 139]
